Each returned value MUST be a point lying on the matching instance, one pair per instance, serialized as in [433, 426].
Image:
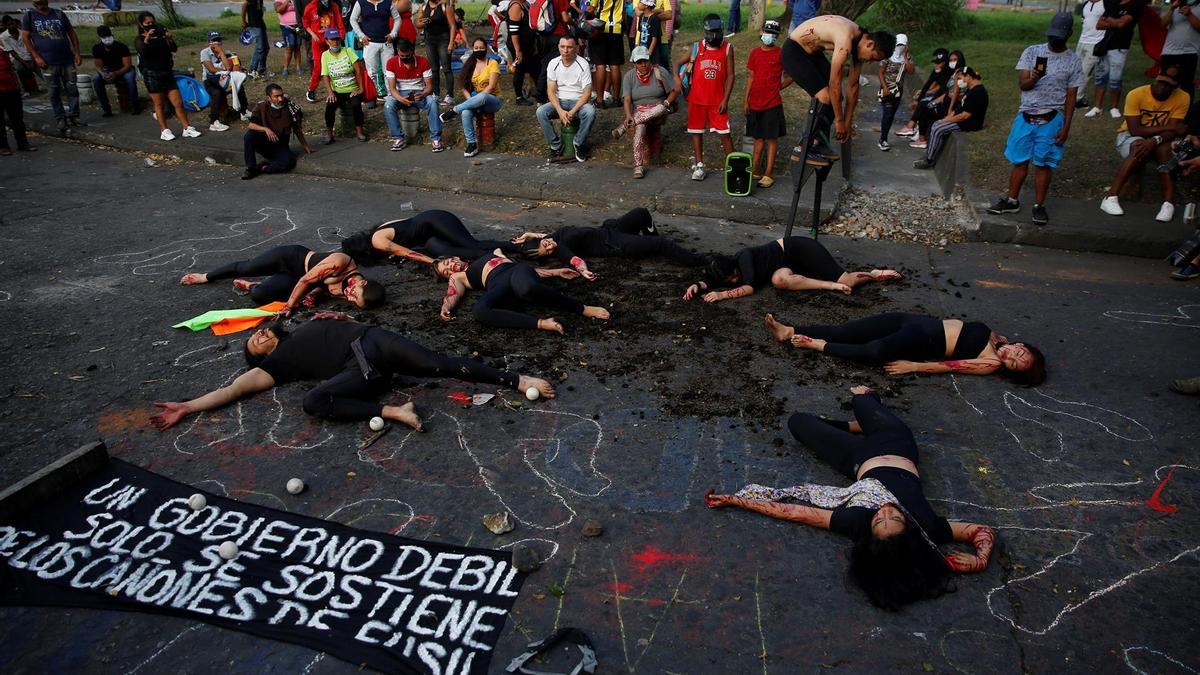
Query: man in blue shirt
[52, 42]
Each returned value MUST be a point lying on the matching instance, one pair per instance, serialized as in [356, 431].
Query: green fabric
[209, 318]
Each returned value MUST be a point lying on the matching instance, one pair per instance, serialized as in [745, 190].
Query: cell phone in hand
[1040, 65]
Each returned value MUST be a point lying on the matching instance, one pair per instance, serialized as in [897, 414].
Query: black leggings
[883, 337]
[283, 266]
[348, 396]
[634, 221]
[882, 434]
[808, 257]
[636, 246]
[928, 113]
[510, 284]
[345, 102]
[442, 234]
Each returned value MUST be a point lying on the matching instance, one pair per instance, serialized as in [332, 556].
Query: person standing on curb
[1049, 75]
[156, 48]
[370, 20]
[253, 21]
[1118, 22]
[1089, 37]
[891, 87]
[344, 77]
[320, 16]
[763, 106]
[11, 112]
[1182, 44]
[50, 39]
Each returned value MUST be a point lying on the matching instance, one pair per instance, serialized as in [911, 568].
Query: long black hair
[1032, 376]
[468, 68]
[899, 570]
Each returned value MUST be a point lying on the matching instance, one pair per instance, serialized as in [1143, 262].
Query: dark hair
[142, 17]
[404, 45]
[568, 36]
[962, 58]
[885, 43]
[468, 68]
[253, 360]
[273, 87]
[898, 570]
[1032, 376]
[359, 247]
[460, 12]
[433, 269]
[529, 247]
[719, 269]
[373, 294]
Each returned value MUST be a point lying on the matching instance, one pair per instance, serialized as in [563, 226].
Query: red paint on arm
[576, 261]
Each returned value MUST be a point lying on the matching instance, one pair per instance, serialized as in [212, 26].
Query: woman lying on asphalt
[914, 343]
[291, 271]
[355, 361]
[895, 559]
[789, 264]
[439, 233]
[506, 285]
[632, 235]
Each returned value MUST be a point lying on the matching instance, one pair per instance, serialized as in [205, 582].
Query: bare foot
[841, 288]
[243, 286]
[193, 278]
[544, 388]
[404, 414]
[805, 342]
[596, 313]
[880, 275]
[551, 324]
[778, 331]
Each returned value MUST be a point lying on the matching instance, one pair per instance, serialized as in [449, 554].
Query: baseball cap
[332, 34]
[1169, 74]
[214, 36]
[1061, 26]
[713, 24]
[771, 27]
[649, 3]
[941, 55]
[639, 53]
[902, 39]
[971, 72]
[103, 31]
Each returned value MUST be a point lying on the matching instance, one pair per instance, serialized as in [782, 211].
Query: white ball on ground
[376, 424]
[532, 393]
[197, 502]
[228, 550]
[295, 486]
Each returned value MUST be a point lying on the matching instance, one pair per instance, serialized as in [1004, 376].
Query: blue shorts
[291, 36]
[1034, 142]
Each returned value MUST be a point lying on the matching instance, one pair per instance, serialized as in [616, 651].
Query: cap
[639, 53]
[103, 31]
[1061, 26]
[902, 39]
[971, 72]
[713, 24]
[214, 36]
[333, 34]
[1169, 74]
[771, 27]
[649, 3]
[940, 55]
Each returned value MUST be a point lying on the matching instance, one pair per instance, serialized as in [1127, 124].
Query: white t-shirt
[1092, 11]
[572, 79]
[14, 44]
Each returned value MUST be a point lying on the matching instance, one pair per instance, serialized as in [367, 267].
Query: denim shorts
[291, 36]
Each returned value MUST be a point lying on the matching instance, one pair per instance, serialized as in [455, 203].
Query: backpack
[685, 71]
[541, 16]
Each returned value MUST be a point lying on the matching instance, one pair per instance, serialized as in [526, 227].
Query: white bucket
[84, 84]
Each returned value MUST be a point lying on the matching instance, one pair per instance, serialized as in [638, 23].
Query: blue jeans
[734, 23]
[57, 79]
[128, 80]
[258, 61]
[803, 10]
[479, 103]
[391, 113]
[546, 113]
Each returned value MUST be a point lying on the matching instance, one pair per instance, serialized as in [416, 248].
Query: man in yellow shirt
[1154, 115]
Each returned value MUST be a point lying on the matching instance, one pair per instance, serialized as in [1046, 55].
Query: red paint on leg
[1155, 502]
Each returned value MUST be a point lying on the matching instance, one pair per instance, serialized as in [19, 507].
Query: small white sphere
[295, 486]
[376, 424]
[532, 393]
[228, 550]
[197, 502]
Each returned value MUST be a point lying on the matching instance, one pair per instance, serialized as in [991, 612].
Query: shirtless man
[804, 60]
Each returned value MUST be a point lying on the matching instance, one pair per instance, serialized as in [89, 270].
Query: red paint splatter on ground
[460, 397]
[1155, 502]
[650, 556]
[621, 588]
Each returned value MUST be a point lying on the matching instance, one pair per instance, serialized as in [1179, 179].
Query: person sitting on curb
[410, 85]
[219, 74]
[648, 93]
[936, 84]
[268, 134]
[114, 65]
[710, 63]
[343, 73]
[937, 105]
[356, 363]
[970, 109]
[569, 88]
[763, 106]
[479, 81]
[1154, 115]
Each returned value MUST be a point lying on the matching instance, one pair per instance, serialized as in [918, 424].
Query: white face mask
[953, 65]
[962, 84]
[768, 39]
[108, 40]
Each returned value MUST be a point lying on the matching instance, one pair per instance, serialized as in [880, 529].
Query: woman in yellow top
[479, 80]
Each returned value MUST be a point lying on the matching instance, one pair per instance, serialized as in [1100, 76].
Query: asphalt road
[657, 407]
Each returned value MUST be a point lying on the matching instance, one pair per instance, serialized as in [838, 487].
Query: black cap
[971, 72]
[103, 31]
[941, 55]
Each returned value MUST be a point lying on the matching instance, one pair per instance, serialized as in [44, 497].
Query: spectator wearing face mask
[410, 85]
[966, 115]
[114, 65]
[320, 16]
[763, 106]
[936, 85]
[1182, 43]
[937, 104]
[220, 74]
[479, 81]
[1118, 23]
[344, 75]
[891, 87]
[711, 73]
[272, 123]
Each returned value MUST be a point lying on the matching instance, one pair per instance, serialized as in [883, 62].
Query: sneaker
[310, 96]
[1165, 213]
[448, 100]
[399, 144]
[1005, 205]
[923, 164]
[284, 73]
[1112, 206]
[920, 145]
[327, 138]
[1040, 217]
[166, 135]
[554, 153]
[618, 132]
[191, 132]
[639, 172]
[766, 182]
[437, 146]
[217, 125]
[521, 100]
[581, 151]
[907, 132]
[74, 121]
[884, 146]
[266, 73]
[471, 151]
[62, 126]
[246, 116]
[1186, 273]
[250, 173]
[448, 115]
[362, 137]
[1114, 113]
[698, 171]
[1092, 113]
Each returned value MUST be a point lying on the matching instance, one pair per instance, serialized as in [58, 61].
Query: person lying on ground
[292, 271]
[356, 363]
[632, 236]
[789, 264]
[896, 559]
[507, 285]
[440, 233]
[914, 343]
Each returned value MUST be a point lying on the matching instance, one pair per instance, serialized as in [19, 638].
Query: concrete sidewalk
[665, 190]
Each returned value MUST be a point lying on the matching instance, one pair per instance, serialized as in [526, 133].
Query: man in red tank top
[711, 64]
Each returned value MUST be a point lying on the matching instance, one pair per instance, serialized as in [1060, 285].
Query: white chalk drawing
[225, 492]
[350, 514]
[1182, 317]
[1129, 662]
[330, 235]
[181, 255]
[5, 296]
[315, 660]
[164, 648]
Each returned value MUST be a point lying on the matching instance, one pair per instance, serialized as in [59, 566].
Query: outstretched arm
[329, 267]
[965, 366]
[979, 536]
[797, 513]
[246, 384]
[739, 292]
[455, 289]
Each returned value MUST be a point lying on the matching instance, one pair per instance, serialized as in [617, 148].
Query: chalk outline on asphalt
[1139, 671]
[1160, 319]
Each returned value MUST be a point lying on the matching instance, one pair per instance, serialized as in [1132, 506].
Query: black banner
[125, 538]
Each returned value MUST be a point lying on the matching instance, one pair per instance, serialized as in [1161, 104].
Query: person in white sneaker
[1154, 117]
[220, 74]
[1118, 23]
[1085, 49]
[155, 47]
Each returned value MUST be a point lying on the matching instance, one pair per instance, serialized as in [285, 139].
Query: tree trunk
[758, 14]
[168, 15]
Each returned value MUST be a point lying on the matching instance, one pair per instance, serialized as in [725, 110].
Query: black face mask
[714, 40]
[407, 60]
[1057, 44]
[479, 54]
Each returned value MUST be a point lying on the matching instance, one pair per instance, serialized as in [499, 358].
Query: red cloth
[319, 24]
[8, 75]
[767, 66]
[711, 68]
[1152, 35]
[560, 6]
[408, 29]
[227, 326]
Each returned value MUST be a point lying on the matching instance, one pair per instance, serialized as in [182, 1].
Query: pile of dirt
[889, 215]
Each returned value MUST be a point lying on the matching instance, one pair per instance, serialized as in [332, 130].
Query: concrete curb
[52, 479]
